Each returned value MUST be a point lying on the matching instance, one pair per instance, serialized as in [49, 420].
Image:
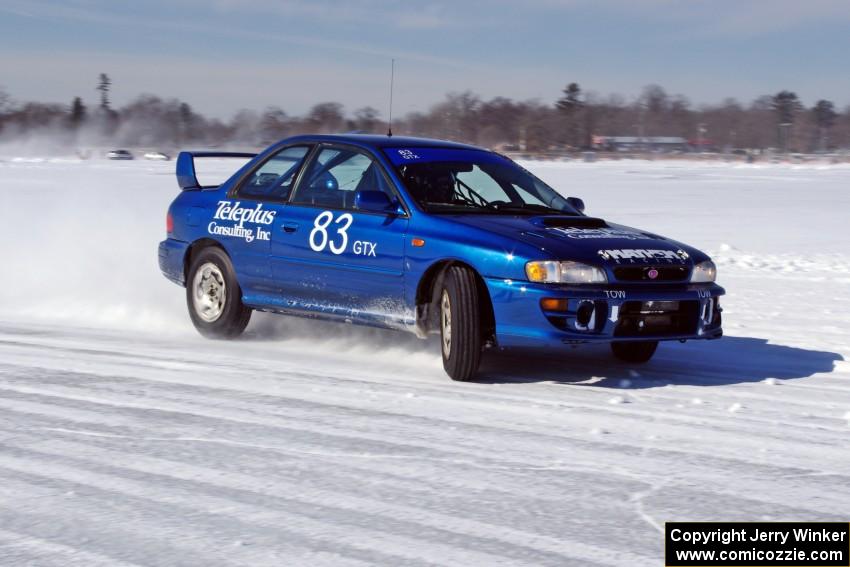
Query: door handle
[290, 226]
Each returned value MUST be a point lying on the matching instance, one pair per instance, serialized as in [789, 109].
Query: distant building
[702, 144]
[637, 143]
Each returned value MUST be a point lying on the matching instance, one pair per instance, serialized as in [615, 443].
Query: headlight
[704, 272]
[564, 272]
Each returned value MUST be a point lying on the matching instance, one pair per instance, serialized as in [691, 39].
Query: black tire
[460, 342]
[220, 315]
[634, 352]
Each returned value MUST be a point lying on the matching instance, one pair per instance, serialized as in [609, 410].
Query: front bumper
[603, 313]
[171, 255]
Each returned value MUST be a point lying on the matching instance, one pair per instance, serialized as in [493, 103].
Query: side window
[273, 180]
[336, 175]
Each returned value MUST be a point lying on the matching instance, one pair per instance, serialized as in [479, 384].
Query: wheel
[460, 324]
[214, 297]
[640, 351]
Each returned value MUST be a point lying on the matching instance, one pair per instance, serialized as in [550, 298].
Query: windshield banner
[402, 156]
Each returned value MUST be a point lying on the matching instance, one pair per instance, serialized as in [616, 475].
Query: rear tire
[634, 352]
[460, 324]
[214, 297]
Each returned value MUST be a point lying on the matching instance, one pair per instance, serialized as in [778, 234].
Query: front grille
[642, 273]
[657, 318]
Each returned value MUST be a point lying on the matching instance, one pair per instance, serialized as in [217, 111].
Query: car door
[247, 216]
[329, 255]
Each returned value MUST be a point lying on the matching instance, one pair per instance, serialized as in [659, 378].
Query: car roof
[378, 141]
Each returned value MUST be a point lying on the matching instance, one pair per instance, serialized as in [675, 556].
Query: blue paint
[359, 264]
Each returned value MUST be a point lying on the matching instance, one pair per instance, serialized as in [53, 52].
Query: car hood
[586, 239]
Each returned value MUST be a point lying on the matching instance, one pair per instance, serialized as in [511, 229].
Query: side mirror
[576, 203]
[375, 202]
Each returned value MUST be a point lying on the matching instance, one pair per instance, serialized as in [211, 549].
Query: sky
[223, 55]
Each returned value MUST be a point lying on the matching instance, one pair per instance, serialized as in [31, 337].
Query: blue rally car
[430, 236]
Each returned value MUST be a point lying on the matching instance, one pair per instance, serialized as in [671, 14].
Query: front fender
[490, 255]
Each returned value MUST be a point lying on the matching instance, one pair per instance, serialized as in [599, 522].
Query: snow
[129, 440]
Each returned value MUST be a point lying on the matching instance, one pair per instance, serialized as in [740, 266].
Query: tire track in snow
[563, 425]
[658, 454]
[322, 514]
[282, 380]
[24, 549]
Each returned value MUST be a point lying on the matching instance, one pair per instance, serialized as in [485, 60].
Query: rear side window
[335, 176]
[273, 180]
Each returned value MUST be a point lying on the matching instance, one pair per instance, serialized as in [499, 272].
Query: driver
[428, 184]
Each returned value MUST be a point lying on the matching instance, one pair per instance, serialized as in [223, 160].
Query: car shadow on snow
[730, 360]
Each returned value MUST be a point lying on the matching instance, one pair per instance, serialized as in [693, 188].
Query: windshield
[450, 181]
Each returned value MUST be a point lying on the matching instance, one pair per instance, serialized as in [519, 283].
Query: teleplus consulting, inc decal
[233, 212]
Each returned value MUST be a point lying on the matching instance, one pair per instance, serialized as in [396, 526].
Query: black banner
[757, 544]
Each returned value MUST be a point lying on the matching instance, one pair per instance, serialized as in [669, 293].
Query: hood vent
[568, 222]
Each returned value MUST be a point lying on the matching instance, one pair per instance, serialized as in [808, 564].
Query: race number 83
[319, 238]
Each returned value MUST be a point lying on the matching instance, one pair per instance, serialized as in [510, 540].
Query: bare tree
[456, 117]
[573, 119]
[274, 125]
[78, 113]
[5, 101]
[36, 115]
[843, 125]
[500, 120]
[5, 107]
[824, 116]
[366, 119]
[326, 117]
[189, 122]
[758, 126]
[243, 127]
[681, 119]
[652, 109]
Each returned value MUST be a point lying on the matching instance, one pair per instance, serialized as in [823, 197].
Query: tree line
[573, 120]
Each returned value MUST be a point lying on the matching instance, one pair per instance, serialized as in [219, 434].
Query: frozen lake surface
[129, 440]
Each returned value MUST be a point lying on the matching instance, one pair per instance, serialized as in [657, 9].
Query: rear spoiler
[186, 178]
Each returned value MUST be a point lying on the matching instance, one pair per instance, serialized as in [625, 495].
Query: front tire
[460, 324]
[634, 352]
[214, 297]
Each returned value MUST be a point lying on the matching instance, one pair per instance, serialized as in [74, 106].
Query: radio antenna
[392, 80]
